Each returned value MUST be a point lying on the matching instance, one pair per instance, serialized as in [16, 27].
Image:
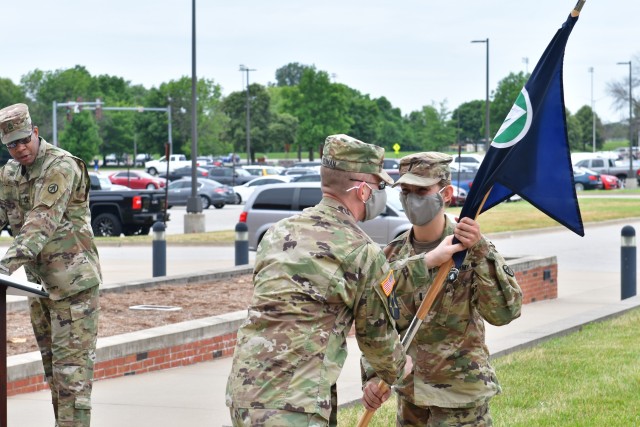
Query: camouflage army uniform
[451, 360]
[46, 205]
[315, 273]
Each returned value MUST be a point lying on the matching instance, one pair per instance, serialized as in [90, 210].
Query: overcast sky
[414, 52]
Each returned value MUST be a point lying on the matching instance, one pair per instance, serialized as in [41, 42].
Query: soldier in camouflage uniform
[44, 198]
[452, 381]
[315, 273]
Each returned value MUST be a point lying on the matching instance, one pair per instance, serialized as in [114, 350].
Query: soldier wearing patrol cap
[44, 198]
[452, 381]
[316, 274]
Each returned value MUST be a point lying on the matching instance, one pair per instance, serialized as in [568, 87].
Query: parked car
[259, 170]
[141, 159]
[184, 172]
[391, 164]
[273, 202]
[585, 179]
[137, 180]
[309, 177]
[209, 191]
[102, 182]
[295, 171]
[245, 190]
[459, 196]
[611, 182]
[471, 161]
[229, 176]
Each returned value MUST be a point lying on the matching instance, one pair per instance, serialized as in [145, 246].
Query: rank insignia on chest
[388, 283]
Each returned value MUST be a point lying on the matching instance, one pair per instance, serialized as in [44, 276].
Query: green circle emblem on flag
[517, 123]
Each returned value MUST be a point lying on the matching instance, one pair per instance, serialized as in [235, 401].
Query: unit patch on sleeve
[388, 283]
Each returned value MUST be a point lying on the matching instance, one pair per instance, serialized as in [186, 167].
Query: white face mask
[421, 209]
[375, 204]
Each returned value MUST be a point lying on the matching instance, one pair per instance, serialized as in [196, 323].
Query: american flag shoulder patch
[388, 283]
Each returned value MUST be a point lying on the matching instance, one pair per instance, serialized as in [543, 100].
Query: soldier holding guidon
[316, 274]
[452, 381]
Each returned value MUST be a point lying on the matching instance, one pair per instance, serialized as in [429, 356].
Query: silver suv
[270, 203]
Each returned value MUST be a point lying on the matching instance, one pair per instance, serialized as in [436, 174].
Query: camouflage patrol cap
[345, 153]
[15, 123]
[424, 169]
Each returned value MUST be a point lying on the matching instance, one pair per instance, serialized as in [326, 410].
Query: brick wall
[208, 339]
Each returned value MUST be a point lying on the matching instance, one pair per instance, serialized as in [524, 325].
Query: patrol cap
[15, 123]
[345, 153]
[424, 169]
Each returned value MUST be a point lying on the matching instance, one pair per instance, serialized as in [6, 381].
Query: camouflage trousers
[410, 415]
[66, 332]
[244, 417]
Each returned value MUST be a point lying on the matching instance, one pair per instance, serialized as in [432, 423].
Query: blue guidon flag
[529, 155]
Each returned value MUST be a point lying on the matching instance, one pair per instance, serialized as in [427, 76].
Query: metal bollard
[159, 250]
[242, 243]
[628, 263]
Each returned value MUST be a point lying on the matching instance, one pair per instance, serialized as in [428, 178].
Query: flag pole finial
[576, 10]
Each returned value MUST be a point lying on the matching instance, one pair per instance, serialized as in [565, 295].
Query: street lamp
[593, 115]
[486, 100]
[194, 204]
[247, 69]
[630, 119]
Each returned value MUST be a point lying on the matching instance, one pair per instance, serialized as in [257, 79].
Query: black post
[3, 368]
[242, 243]
[628, 263]
[159, 250]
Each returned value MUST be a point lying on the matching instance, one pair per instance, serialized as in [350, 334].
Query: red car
[611, 182]
[137, 180]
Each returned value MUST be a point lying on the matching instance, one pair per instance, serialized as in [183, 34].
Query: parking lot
[215, 219]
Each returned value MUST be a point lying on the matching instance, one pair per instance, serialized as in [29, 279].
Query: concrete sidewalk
[589, 290]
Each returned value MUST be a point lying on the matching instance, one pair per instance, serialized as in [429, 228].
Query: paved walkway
[589, 289]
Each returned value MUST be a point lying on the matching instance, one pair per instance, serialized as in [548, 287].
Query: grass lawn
[587, 379]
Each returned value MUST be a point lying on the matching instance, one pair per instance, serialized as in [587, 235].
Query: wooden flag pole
[423, 310]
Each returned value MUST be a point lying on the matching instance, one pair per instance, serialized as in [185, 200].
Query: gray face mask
[421, 210]
[376, 204]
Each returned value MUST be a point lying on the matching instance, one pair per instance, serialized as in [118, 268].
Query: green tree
[574, 132]
[585, 118]
[152, 127]
[80, 137]
[10, 93]
[61, 86]
[392, 127]
[291, 74]
[503, 98]
[468, 118]
[282, 132]
[321, 108]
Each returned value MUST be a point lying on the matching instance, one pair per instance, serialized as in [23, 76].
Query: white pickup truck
[158, 166]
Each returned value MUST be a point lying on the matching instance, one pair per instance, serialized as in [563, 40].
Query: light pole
[486, 99]
[630, 119]
[247, 69]
[593, 115]
[194, 204]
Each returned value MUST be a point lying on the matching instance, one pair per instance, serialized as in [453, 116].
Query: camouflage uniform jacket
[451, 360]
[314, 274]
[47, 206]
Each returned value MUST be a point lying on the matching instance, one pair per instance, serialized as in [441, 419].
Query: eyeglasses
[23, 141]
[381, 185]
